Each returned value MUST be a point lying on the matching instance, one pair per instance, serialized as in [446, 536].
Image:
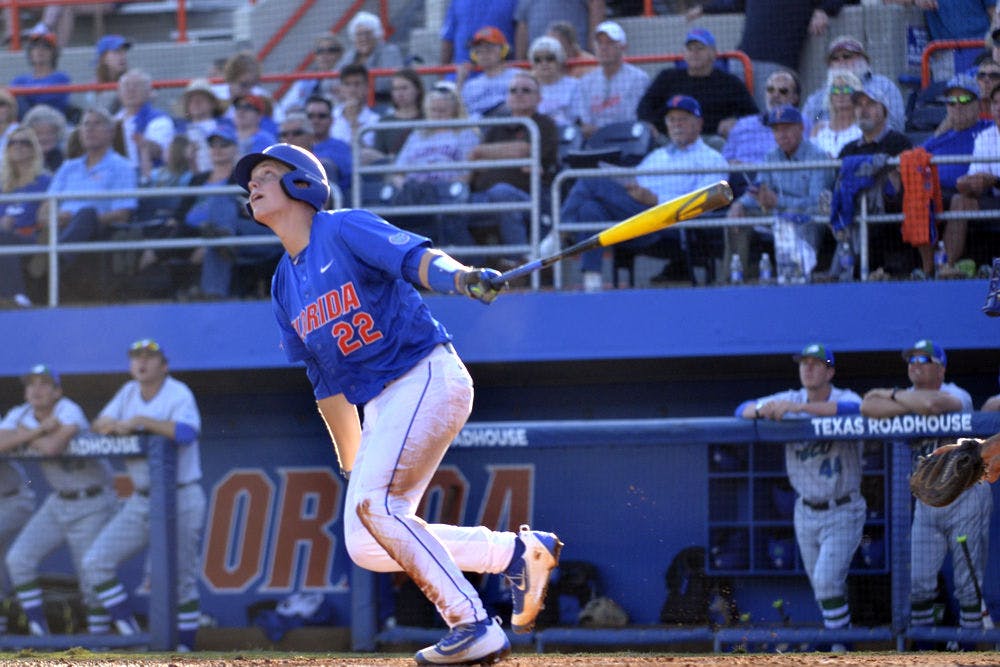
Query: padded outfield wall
[275, 504]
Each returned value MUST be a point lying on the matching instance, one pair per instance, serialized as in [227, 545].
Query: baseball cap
[701, 35]
[112, 43]
[874, 92]
[614, 31]
[256, 101]
[784, 113]
[815, 351]
[41, 370]
[684, 103]
[145, 345]
[224, 130]
[963, 82]
[43, 37]
[846, 43]
[927, 348]
[490, 35]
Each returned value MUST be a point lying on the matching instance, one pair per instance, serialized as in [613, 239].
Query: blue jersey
[344, 308]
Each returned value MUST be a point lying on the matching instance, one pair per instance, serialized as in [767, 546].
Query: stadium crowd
[593, 107]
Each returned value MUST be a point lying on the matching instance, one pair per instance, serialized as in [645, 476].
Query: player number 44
[358, 332]
[830, 467]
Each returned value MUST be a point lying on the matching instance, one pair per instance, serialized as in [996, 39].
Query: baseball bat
[653, 219]
[987, 619]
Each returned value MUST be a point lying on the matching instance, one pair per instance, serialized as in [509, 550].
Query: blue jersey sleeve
[378, 243]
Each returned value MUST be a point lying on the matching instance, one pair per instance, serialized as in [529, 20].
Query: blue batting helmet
[306, 181]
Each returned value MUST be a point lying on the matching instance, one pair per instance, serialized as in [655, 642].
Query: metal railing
[53, 248]
[863, 218]
[532, 163]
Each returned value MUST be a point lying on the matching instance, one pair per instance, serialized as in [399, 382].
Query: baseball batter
[826, 475]
[155, 403]
[935, 530]
[81, 501]
[346, 306]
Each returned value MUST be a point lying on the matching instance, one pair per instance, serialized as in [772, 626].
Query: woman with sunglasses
[840, 126]
[327, 52]
[21, 171]
[561, 98]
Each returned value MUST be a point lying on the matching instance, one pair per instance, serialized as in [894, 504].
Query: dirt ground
[248, 659]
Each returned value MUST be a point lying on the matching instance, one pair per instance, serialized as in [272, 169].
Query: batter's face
[147, 367]
[41, 393]
[267, 198]
[814, 373]
[925, 374]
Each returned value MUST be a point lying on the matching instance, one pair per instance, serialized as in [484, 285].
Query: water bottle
[736, 270]
[845, 261]
[765, 270]
[940, 258]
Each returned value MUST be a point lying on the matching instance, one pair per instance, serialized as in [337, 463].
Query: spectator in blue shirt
[778, 192]
[100, 168]
[464, 18]
[43, 56]
[961, 99]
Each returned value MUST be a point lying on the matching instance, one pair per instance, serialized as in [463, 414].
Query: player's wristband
[441, 274]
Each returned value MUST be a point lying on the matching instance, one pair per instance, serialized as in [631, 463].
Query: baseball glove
[943, 475]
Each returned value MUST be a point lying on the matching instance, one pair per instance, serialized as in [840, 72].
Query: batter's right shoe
[529, 576]
[481, 643]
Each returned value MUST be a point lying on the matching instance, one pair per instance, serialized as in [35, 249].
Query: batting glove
[480, 284]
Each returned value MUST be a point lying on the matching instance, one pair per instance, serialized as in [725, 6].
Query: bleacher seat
[623, 144]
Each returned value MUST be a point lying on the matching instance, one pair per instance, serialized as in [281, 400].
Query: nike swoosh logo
[326, 266]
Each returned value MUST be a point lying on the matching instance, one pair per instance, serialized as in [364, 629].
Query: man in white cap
[846, 52]
[878, 139]
[611, 92]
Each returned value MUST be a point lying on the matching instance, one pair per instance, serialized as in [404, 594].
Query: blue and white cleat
[480, 643]
[529, 579]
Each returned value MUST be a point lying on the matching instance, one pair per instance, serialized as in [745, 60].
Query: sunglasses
[959, 99]
[292, 133]
[317, 116]
[144, 345]
[328, 49]
[522, 90]
[780, 91]
[844, 55]
[544, 59]
[841, 90]
[219, 143]
[993, 76]
[919, 359]
[19, 142]
[247, 107]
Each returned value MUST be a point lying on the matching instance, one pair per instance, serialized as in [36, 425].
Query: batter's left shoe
[528, 576]
[481, 643]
